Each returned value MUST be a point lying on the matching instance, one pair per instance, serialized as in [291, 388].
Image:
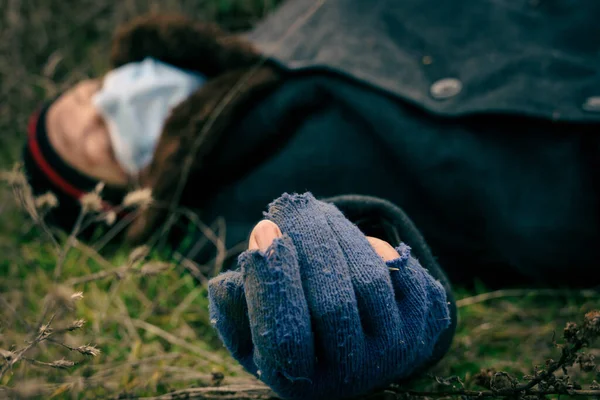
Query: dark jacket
[495, 196]
[539, 58]
[479, 118]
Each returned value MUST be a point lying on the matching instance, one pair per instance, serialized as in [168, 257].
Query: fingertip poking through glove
[320, 314]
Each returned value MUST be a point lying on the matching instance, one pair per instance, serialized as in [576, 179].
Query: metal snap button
[445, 88]
[592, 104]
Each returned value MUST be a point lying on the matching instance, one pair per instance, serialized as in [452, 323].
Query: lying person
[474, 120]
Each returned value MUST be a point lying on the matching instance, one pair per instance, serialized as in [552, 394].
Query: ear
[190, 134]
[182, 42]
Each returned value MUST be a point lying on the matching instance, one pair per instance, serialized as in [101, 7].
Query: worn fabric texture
[327, 317]
[533, 58]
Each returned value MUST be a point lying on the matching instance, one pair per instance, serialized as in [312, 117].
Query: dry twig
[499, 385]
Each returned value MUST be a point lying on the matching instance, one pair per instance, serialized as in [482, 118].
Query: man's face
[80, 137]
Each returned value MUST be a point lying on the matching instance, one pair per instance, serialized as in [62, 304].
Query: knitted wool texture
[320, 315]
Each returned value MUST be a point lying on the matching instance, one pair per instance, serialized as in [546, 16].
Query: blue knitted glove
[320, 315]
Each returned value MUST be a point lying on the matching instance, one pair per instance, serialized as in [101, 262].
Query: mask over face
[135, 101]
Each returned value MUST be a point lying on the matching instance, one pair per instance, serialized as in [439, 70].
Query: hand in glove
[319, 314]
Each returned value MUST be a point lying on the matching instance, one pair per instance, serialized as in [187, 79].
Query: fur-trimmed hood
[237, 78]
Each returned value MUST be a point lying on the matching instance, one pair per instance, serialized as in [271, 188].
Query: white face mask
[135, 101]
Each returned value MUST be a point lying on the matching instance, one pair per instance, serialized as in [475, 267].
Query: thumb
[263, 235]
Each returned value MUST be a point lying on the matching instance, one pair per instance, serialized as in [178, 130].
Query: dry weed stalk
[58, 302]
[22, 192]
[137, 264]
[47, 333]
[543, 382]
[134, 266]
[498, 385]
[90, 203]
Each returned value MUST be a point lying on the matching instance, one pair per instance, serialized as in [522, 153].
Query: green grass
[155, 336]
[153, 331]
